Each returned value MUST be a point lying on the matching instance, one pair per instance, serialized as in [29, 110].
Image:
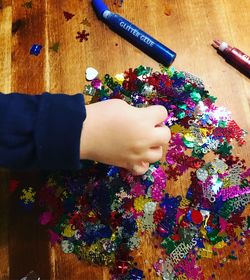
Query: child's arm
[41, 131]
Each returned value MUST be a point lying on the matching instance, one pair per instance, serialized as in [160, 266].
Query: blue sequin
[135, 274]
[36, 49]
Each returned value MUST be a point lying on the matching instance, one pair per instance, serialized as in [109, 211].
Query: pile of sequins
[101, 212]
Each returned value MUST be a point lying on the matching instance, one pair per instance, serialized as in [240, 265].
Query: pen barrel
[238, 59]
[139, 38]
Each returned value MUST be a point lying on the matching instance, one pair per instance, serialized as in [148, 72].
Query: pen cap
[99, 7]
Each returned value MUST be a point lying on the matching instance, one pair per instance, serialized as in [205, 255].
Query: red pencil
[234, 56]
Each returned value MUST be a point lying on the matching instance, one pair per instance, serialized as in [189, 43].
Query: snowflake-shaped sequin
[67, 246]
[28, 196]
[140, 202]
[134, 242]
[83, 35]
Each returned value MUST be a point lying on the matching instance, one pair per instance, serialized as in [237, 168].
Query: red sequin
[158, 215]
[196, 216]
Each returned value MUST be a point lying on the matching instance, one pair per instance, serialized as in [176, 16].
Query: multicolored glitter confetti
[101, 212]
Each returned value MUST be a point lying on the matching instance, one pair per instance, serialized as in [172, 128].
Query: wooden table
[187, 27]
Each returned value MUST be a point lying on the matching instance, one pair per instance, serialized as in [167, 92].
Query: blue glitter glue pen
[134, 35]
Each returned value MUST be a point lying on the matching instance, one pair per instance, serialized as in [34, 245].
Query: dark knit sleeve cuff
[58, 131]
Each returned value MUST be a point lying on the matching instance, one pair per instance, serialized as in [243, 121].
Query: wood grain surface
[188, 27]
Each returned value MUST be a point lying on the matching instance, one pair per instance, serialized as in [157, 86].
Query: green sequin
[197, 152]
[216, 240]
[232, 257]
[104, 92]
[244, 183]
[226, 210]
[224, 149]
[212, 98]
[222, 124]
[188, 87]
[182, 106]
[195, 96]
[248, 222]
[141, 70]
[55, 47]
[181, 115]
[169, 245]
[188, 144]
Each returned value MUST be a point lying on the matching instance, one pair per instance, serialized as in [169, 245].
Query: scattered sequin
[55, 47]
[68, 15]
[83, 35]
[36, 49]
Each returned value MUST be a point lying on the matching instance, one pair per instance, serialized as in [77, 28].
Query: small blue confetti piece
[35, 49]
[136, 274]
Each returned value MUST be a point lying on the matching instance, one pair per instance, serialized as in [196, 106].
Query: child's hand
[118, 134]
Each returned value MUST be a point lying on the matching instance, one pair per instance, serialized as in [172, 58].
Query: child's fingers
[161, 136]
[158, 113]
[153, 154]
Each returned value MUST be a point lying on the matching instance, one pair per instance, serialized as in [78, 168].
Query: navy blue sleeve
[41, 131]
